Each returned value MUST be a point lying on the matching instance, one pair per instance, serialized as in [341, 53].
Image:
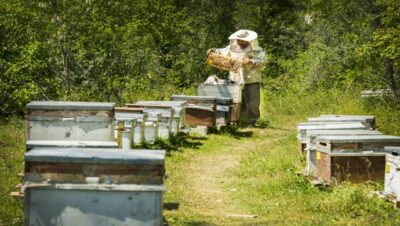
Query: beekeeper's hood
[245, 35]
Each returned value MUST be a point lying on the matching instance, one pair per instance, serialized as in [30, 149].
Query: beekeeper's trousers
[251, 103]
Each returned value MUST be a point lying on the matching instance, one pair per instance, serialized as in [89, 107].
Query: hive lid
[331, 126]
[224, 100]
[358, 139]
[343, 132]
[395, 150]
[128, 109]
[359, 117]
[67, 105]
[65, 144]
[96, 156]
[161, 103]
[187, 97]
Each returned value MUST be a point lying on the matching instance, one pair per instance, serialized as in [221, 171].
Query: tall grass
[291, 107]
[266, 179]
[12, 139]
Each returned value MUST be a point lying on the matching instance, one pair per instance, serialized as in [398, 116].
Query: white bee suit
[249, 74]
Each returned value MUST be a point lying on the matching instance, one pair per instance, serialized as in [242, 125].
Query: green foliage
[123, 51]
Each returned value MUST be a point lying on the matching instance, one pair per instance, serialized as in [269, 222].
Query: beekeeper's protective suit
[253, 58]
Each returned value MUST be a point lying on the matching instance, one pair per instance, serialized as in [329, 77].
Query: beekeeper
[244, 47]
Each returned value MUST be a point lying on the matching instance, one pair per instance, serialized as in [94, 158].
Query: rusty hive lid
[96, 156]
[67, 105]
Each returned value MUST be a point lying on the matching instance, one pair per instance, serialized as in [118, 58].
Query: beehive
[200, 110]
[72, 186]
[133, 120]
[178, 120]
[311, 147]
[304, 127]
[353, 157]
[392, 175]
[73, 121]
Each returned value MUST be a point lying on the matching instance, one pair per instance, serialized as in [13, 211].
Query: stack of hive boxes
[392, 175]
[344, 148]
[229, 97]
[75, 175]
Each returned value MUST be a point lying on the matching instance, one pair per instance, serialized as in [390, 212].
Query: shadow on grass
[189, 222]
[233, 131]
[171, 206]
[175, 143]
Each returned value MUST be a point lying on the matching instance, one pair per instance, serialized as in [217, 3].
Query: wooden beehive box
[225, 111]
[392, 175]
[134, 120]
[200, 110]
[75, 165]
[165, 122]
[73, 121]
[178, 120]
[302, 129]
[72, 186]
[233, 91]
[311, 145]
[352, 158]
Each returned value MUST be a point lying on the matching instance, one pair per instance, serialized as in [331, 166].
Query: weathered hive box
[57, 120]
[178, 120]
[152, 126]
[93, 187]
[200, 110]
[133, 126]
[302, 129]
[366, 119]
[353, 158]
[83, 165]
[311, 147]
[233, 91]
[392, 175]
[226, 111]
[165, 121]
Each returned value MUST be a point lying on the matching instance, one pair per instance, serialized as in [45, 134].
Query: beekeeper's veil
[245, 35]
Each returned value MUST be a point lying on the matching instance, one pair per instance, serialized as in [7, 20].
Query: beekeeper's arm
[221, 51]
[258, 60]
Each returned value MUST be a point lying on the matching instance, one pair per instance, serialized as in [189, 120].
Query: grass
[246, 171]
[264, 178]
[12, 138]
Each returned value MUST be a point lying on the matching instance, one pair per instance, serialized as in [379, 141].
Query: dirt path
[200, 177]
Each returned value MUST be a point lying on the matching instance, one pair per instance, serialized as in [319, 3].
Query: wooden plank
[129, 109]
[358, 169]
[235, 112]
[323, 167]
[92, 169]
[200, 117]
[104, 178]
